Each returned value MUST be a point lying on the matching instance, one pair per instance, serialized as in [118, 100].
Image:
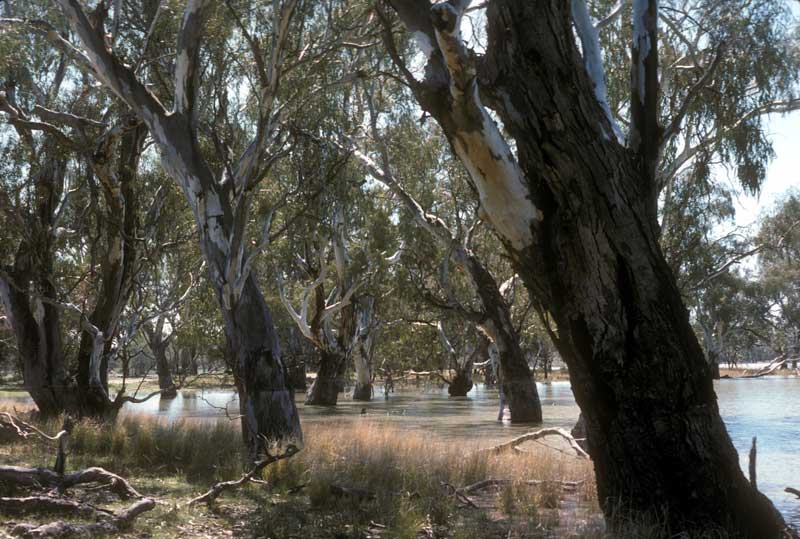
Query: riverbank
[353, 481]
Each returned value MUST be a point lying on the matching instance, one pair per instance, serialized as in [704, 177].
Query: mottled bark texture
[266, 401]
[591, 257]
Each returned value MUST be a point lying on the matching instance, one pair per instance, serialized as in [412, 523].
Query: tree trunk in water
[461, 384]
[638, 373]
[297, 374]
[329, 381]
[362, 391]
[266, 403]
[165, 383]
[515, 375]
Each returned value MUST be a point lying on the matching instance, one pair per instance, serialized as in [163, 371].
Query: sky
[783, 173]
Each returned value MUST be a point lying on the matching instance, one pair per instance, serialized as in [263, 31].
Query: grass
[410, 476]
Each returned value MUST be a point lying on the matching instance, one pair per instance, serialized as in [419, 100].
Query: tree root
[531, 436]
[114, 524]
[214, 492]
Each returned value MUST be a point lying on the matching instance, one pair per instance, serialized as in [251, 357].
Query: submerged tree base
[362, 392]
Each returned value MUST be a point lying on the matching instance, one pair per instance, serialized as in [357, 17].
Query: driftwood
[776, 364]
[531, 436]
[214, 492]
[114, 524]
[791, 490]
[48, 478]
[48, 504]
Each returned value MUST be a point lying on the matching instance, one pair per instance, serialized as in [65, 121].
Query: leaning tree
[576, 209]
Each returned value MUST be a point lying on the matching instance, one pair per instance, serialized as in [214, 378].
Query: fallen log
[43, 477]
[48, 504]
[114, 524]
[531, 436]
[491, 483]
[214, 492]
[776, 364]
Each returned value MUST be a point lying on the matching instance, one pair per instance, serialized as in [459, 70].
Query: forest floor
[359, 482]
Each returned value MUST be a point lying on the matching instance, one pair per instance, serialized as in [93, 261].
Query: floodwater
[764, 407]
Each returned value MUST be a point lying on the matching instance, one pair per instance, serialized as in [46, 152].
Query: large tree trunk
[576, 215]
[329, 381]
[120, 225]
[362, 391]
[361, 348]
[461, 384]
[515, 375]
[38, 337]
[654, 430]
[24, 288]
[158, 347]
[266, 402]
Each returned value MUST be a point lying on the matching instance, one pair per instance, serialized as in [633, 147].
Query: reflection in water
[764, 407]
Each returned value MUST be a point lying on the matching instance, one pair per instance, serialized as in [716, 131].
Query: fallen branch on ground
[17, 475]
[531, 436]
[48, 504]
[459, 495]
[24, 429]
[490, 483]
[214, 492]
[116, 523]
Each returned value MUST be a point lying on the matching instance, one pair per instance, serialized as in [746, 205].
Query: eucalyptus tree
[338, 258]
[244, 112]
[78, 148]
[493, 316]
[576, 211]
[335, 347]
[171, 273]
[779, 269]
